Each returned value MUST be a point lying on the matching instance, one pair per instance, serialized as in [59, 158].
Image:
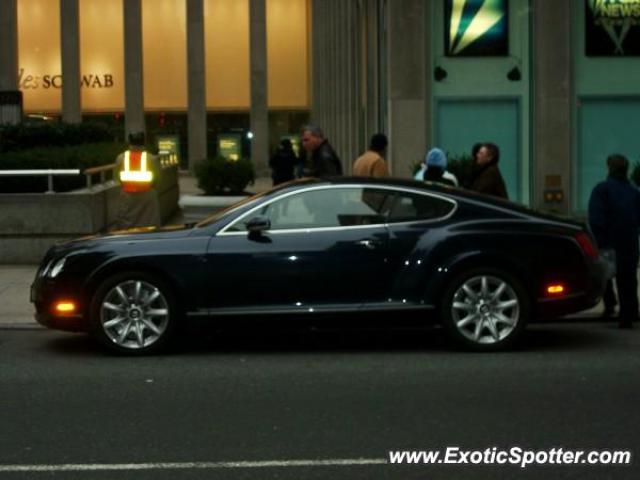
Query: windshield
[250, 200]
[221, 213]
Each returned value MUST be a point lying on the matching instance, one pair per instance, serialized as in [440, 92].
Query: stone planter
[32, 222]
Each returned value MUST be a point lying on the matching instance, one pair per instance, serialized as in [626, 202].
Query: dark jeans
[627, 283]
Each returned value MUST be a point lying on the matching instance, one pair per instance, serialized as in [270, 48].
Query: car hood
[129, 235]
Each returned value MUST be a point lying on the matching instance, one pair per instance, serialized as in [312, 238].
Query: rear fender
[466, 261]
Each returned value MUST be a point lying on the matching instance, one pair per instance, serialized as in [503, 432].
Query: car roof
[458, 193]
[400, 183]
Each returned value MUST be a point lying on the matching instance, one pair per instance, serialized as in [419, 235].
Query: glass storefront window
[164, 43]
[39, 59]
[101, 62]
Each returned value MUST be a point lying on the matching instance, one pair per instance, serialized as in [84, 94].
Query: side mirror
[257, 225]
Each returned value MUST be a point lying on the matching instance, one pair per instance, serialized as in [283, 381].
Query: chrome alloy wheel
[485, 309]
[134, 314]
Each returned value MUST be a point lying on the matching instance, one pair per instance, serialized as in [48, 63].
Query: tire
[485, 309]
[133, 313]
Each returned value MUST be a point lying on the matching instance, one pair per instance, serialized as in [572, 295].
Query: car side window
[408, 207]
[322, 208]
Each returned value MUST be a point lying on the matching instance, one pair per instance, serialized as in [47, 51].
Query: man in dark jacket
[487, 178]
[324, 161]
[614, 218]
[283, 162]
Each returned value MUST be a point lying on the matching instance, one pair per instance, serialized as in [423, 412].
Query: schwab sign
[476, 28]
[27, 81]
[612, 27]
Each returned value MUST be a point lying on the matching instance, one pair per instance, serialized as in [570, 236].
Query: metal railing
[88, 173]
[102, 170]
[49, 173]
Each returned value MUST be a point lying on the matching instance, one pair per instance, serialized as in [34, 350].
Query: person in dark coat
[324, 160]
[283, 163]
[614, 218]
[487, 178]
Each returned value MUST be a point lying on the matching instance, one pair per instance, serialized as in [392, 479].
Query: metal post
[50, 183]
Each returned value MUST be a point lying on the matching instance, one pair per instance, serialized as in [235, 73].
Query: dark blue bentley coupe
[480, 267]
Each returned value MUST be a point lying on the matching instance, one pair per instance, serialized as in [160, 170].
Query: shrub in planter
[462, 167]
[70, 157]
[221, 176]
[635, 173]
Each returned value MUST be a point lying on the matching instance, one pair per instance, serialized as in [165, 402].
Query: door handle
[368, 243]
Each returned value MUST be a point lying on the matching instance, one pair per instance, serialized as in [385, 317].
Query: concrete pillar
[258, 67]
[133, 68]
[552, 102]
[196, 78]
[407, 60]
[336, 58]
[8, 45]
[371, 68]
[70, 52]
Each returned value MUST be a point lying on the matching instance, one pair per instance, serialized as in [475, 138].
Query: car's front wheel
[485, 309]
[133, 313]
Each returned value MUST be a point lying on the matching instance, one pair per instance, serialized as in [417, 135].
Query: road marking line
[80, 467]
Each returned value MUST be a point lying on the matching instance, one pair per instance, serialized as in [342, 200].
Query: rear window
[408, 207]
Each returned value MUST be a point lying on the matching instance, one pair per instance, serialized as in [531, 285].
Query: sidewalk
[15, 283]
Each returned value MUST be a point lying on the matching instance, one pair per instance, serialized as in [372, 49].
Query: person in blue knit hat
[434, 169]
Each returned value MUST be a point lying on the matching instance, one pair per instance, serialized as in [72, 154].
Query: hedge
[221, 176]
[28, 136]
[68, 157]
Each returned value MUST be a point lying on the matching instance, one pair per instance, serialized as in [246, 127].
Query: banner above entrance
[612, 27]
[476, 28]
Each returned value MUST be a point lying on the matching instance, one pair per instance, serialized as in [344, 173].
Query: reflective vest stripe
[135, 168]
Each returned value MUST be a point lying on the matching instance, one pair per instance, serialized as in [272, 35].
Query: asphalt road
[235, 406]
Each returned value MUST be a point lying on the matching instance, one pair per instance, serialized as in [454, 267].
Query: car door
[416, 221]
[326, 247]
[343, 257]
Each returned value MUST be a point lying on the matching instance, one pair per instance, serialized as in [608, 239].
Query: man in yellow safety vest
[137, 171]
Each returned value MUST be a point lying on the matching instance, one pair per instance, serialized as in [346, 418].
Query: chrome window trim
[224, 233]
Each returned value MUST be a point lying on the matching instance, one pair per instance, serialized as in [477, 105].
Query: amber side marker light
[555, 289]
[64, 307]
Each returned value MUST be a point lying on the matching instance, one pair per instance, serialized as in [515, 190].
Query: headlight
[57, 267]
[44, 271]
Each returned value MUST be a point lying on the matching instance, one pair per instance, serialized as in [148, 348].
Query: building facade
[198, 68]
[554, 83]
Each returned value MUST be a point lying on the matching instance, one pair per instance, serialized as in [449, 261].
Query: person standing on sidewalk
[434, 169]
[283, 162]
[371, 163]
[138, 170]
[487, 178]
[324, 160]
[614, 218]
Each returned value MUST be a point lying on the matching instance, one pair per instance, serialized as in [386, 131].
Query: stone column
[70, 52]
[407, 60]
[258, 68]
[196, 78]
[552, 102]
[8, 45]
[133, 68]
[336, 63]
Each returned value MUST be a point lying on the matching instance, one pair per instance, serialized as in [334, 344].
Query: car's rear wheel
[485, 309]
[133, 313]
